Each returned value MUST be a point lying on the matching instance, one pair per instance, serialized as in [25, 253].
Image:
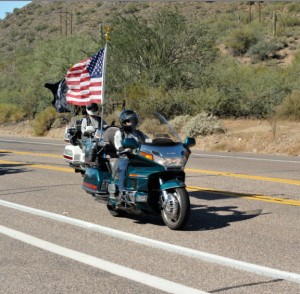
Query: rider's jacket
[94, 121]
[121, 134]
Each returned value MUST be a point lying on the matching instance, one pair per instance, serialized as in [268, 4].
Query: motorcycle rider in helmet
[129, 121]
[92, 119]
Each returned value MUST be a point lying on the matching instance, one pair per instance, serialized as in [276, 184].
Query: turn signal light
[146, 155]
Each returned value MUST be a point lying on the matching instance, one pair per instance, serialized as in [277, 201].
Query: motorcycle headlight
[171, 161]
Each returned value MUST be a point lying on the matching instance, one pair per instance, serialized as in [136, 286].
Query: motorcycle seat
[108, 137]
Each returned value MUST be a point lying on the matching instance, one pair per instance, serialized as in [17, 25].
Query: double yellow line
[244, 176]
[190, 188]
[257, 197]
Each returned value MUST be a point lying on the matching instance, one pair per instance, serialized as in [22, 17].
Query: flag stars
[96, 64]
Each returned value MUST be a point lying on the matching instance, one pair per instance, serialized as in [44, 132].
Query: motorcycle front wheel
[176, 212]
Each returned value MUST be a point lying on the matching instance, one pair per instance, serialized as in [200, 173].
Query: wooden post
[66, 22]
[71, 28]
[250, 12]
[274, 23]
[60, 21]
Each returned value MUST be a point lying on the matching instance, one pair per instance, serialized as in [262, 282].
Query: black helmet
[92, 109]
[128, 120]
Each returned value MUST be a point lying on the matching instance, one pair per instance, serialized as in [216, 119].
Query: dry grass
[257, 136]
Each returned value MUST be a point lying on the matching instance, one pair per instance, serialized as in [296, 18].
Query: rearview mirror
[189, 142]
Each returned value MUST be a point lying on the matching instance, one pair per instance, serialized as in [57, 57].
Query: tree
[166, 53]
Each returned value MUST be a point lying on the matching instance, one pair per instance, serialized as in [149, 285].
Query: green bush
[41, 27]
[290, 107]
[146, 99]
[294, 7]
[292, 21]
[179, 122]
[130, 8]
[240, 40]
[43, 121]
[10, 113]
[202, 125]
[262, 50]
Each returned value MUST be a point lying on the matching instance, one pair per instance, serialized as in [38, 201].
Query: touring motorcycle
[155, 178]
[74, 152]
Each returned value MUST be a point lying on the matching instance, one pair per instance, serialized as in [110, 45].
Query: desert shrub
[41, 27]
[112, 118]
[294, 7]
[290, 107]
[149, 126]
[292, 21]
[10, 113]
[236, 90]
[240, 40]
[179, 122]
[202, 125]
[43, 121]
[262, 50]
[17, 11]
[145, 99]
[169, 52]
[131, 8]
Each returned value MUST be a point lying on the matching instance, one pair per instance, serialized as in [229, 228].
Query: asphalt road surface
[243, 235]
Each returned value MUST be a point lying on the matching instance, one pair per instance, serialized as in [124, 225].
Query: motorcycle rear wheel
[178, 221]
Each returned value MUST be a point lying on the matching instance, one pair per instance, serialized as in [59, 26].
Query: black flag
[59, 91]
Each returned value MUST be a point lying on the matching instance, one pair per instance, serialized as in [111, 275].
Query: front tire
[177, 211]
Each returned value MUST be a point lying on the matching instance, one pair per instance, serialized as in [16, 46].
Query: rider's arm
[83, 125]
[118, 140]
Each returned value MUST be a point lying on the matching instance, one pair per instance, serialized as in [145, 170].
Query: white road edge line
[113, 268]
[201, 255]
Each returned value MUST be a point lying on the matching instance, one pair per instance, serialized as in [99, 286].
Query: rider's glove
[125, 151]
[128, 150]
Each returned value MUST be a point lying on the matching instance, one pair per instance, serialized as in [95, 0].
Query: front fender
[172, 184]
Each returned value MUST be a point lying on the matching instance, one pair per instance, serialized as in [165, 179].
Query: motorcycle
[155, 178]
[74, 152]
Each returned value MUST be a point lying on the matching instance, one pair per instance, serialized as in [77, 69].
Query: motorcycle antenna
[107, 30]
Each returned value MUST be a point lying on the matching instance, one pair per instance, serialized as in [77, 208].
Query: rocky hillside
[49, 19]
[42, 20]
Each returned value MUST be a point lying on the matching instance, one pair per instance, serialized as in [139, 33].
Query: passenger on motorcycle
[92, 119]
[129, 121]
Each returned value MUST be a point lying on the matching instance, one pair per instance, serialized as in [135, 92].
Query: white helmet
[92, 109]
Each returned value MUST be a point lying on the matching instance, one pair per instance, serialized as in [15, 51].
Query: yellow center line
[257, 197]
[192, 170]
[31, 153]
[193, 188]
[244, 176]
[41, 166]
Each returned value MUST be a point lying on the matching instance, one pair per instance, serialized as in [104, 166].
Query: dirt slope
[257, 136]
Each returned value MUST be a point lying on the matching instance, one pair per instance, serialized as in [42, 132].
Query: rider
[92, 119]
[129, 121]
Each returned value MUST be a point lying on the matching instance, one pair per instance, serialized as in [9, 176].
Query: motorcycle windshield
[158, 130]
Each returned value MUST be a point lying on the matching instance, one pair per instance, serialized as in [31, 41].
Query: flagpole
[107, 31]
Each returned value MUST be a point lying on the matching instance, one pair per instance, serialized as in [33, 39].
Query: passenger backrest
[108, 137]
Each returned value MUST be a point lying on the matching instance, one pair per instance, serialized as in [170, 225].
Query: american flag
[85, 80]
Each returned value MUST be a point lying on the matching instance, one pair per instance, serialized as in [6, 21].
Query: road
[242, 237]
